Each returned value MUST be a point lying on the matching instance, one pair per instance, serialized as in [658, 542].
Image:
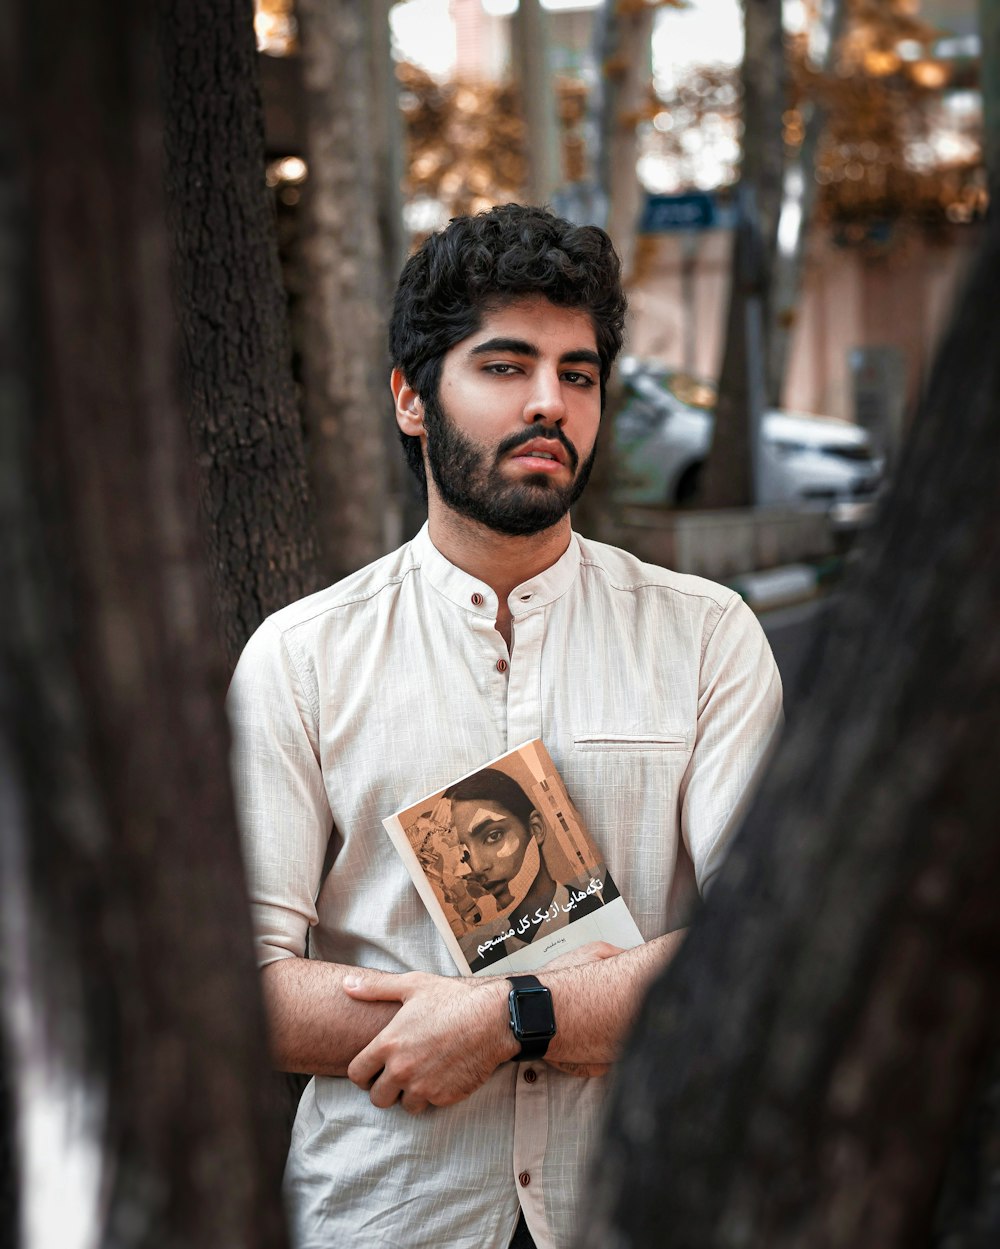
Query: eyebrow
[488, 819]
[521, 347]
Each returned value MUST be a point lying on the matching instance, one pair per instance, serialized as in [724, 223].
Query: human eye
[501, 368]
[493, 836]
[577, 378]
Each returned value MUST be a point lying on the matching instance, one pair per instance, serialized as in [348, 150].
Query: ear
[536, 826]
[409, 405]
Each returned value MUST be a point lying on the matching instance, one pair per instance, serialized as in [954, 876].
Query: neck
[500, 560]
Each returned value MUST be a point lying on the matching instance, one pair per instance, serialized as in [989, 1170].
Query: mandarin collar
[475, 595]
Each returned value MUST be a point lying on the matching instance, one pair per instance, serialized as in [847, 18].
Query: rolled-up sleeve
[281, 800]
[739, 715]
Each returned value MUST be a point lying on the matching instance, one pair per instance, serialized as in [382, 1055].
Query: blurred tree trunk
[729, 473]
[799, 187]
[130, 1001]
[232, 314]
[531, 51]
[622, 52]
[968, 1211]
[405, 511]
[347, 404]
[13, 216]
[800, 1073]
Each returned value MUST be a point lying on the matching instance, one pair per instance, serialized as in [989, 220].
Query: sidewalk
[774, 588]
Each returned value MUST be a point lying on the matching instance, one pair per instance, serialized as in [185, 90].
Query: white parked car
[664, 430]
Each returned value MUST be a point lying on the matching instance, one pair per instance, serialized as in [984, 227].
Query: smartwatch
[532, 1018]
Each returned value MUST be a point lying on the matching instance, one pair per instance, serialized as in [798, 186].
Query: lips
[548, 450]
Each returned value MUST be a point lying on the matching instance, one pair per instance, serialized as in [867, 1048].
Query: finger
[374, 986]
[365, 1068]
[385, 1091]
[414, 1105]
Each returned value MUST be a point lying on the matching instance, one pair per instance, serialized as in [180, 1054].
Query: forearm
[313, 1026]
[597, 1002]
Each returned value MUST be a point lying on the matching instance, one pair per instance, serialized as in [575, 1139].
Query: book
[507, 869]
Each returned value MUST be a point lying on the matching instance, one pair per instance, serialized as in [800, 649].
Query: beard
[470, 482]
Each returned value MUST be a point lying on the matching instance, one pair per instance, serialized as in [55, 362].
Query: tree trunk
[405, 508]
[622, 52]
[798, 199]
[532, 57]
[232, 313]
[348, 404]
[729, 477]
[129, 993]
[799, 1074]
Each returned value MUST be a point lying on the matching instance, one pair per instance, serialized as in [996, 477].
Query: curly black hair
[477, 263]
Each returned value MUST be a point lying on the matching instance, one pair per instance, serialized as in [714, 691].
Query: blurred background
[198, 430]
[830, 153]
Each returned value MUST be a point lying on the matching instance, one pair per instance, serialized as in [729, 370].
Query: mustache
[534, 433]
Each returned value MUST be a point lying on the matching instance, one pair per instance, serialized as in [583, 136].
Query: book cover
[506, 868]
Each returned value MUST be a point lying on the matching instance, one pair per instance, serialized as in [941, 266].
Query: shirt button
[477, 599]
[530, 1076]
[524, 1179]
[501, 665]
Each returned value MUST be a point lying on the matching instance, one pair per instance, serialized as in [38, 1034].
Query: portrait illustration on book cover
[510, 866]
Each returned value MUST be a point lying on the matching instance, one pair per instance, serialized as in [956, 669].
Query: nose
[545, 405]
[474, 860]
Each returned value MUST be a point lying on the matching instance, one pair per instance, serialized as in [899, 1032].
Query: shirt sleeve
[739, 715]
[281, 800]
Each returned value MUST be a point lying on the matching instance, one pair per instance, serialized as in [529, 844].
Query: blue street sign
[694, 210]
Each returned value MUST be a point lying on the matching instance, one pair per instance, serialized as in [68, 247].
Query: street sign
[694, 210]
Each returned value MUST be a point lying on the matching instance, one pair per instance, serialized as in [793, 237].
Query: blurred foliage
[465, 141]
[895, 149]
[275, 26]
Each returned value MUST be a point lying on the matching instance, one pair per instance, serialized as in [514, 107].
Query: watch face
[534, 1013]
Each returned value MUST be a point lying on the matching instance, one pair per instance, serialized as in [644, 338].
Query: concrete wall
[901, 299]
[721, 544]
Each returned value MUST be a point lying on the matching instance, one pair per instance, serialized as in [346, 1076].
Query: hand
[592, 952]
[448, 1037]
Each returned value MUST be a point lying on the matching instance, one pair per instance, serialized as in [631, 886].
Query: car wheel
[689, 485]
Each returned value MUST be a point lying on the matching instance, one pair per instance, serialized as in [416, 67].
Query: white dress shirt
[657, 697]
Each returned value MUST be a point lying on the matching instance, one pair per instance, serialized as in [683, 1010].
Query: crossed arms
[427, 1040]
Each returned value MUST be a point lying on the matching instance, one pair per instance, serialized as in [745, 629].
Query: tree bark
[405, 508]
[133, 1026]
[799, 1074]
[729, 471]
[622, 52]
[232, 313]
[798, 199]
[532, 57]
[348, 404]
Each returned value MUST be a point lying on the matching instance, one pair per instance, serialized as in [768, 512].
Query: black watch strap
[532, 1017]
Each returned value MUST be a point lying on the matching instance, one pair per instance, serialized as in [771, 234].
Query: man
[503, 835]
[655, 694]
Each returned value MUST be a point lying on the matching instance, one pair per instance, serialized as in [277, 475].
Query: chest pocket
[651, 743]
